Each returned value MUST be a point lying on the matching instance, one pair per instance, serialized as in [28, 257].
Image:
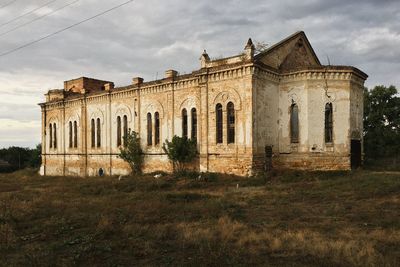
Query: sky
[145, 38]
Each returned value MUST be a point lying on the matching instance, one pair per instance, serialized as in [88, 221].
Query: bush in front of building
[131, 152]
[180, 151]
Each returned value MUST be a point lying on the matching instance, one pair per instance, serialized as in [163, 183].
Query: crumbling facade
[281, 100]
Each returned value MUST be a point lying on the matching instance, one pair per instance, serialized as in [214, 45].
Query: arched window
[98, 133]
[119, 131]
[125, 129]
[218, 120]
[70, 134]
[230, 123]
[55, 135]
[194, 124]
[75, 134]
[93, 133]
[294, 124]
[156, 128]
[149, 130]
[328, 123]
[51, 135]
[184, 123]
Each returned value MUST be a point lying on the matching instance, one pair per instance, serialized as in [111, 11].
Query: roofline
[88, 78]
[290, 37]
[355, 70]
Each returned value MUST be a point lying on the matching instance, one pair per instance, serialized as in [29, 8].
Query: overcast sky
[145, 38]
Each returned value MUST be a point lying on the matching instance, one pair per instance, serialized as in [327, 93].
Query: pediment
[293, 53]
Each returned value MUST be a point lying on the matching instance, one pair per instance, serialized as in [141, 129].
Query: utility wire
[26, 14]
[9, 3]
[64, 29]
[38, 18]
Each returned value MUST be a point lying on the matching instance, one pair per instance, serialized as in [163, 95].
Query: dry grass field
[290, 219]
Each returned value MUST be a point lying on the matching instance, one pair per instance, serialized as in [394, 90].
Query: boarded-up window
[51, 135]
[75, 134]
[70, 134]
[184, 123]
[149, 130]
[294, 123]
[98, 133]
[193, 135]
[218, 122]
[93, 133]
[230, 123]
[328, 123]
[119, 131]
[125, 129]
[156, 128]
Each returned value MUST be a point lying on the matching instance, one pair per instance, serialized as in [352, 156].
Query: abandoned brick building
[310, 115]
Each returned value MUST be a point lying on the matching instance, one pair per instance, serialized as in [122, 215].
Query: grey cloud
[147, 37]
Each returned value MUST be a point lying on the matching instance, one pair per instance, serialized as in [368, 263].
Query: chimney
[171, 74]
[137, 81]
[109, 86]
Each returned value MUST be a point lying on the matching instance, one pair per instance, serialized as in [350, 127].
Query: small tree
[180, 150]
[36, 156]
[132, 152]
[260, 47]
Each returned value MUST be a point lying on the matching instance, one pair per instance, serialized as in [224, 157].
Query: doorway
[355, 154]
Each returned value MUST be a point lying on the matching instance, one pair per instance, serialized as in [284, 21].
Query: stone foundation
[313, 161]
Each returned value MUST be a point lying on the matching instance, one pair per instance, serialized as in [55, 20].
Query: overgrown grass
[283, 219]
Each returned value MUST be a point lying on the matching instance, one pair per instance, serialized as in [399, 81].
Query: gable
[293, 53]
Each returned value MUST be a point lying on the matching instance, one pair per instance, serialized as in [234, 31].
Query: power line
[64, 29]
[9, 3]
[38, 18]
[26, 14]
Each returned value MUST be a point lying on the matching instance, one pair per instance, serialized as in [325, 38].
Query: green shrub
[132, 152]
[180, 151]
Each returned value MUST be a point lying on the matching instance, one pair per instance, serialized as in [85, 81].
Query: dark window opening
[98, 133]
[51, 135]
[125, 129]
[328, 123]
[118, 131]
[70, 134]
[156, 128]
[55, 135]
[230, 122]
[93, 133]
[149, 130]
[193, 135]
[218, 120]
[184, 123]
[294, 124]
[75, 134]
